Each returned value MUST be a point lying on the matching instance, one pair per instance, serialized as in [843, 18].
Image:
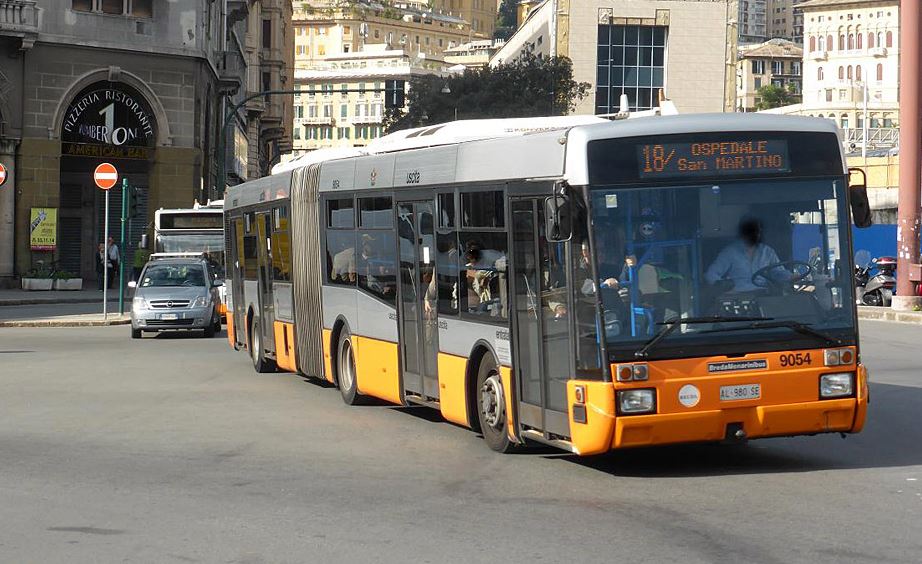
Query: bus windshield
[761, 260]
[212, 244]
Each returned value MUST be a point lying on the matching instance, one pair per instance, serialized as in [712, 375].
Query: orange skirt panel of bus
[788, 402]
[285, 346]
[452, 393]
[377, 368]
[231, 333]
[505, 374]
[328, 355]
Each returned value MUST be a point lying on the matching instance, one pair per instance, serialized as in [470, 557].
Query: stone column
[7, 210]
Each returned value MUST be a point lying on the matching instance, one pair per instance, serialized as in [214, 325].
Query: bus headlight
[634, 402]
[838, 385]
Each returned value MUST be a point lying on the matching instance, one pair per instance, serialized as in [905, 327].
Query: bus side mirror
[143, 243]
[557, 222]
[858, 198]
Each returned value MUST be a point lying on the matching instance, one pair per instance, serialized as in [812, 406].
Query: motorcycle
[876, 290]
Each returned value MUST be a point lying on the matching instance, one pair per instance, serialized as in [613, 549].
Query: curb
[888, 314]
[49, 301]
[64, 322]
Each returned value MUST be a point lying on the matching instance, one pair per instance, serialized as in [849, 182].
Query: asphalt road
[174, 450]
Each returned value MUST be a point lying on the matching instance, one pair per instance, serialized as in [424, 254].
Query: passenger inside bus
[485, 279]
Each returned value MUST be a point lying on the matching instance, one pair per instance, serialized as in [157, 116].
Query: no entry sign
[105, 176]
[2, 174]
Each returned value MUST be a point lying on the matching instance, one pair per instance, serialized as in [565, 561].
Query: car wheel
[135, 333]
[217, 322]
[209, 331]
[260, 362]
[345, 369]
[491, 406]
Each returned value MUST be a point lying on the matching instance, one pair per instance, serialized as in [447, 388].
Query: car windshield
[210, 244]
[772, 254]
[165, 275]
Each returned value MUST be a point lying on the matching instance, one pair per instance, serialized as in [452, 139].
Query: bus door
[264, 279]
[419, 344]
[541, 330]
[236, 277]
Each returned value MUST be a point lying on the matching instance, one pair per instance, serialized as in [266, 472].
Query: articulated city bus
[199, 229]
[639, 282]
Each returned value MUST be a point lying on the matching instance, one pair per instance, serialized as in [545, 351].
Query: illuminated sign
[110, 114]
[712, 158]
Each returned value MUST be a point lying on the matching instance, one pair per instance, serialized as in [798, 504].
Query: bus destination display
[712, 158]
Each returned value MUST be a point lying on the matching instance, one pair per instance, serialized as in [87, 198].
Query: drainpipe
[907, 222]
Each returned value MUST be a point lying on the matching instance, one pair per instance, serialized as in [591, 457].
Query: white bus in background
[199, 229]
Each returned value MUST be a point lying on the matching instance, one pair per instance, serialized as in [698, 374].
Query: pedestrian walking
[113, 259]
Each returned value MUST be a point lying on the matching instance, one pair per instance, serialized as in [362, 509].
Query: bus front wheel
[345, 369]
[491, 406]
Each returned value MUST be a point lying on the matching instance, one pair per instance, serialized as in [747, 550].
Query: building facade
[637, 48]
[777, 62]
[786, 20]
[753, 20]
[851, 66]
[137, 83]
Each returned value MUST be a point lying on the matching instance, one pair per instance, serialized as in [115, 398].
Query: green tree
[529, 86]
[506, 20]
[776, 96]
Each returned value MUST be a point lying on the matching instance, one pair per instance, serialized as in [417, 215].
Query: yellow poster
[43, 229]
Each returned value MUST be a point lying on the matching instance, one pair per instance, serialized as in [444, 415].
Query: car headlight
[838, 385]
[200, 301]
[632, 402]
[138, 303]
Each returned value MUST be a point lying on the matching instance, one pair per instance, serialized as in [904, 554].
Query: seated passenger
[739, 260]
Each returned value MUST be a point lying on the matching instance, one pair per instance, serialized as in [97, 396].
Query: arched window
[889, 39]
[870, 40]
[880, 72]
[860, 40]
[829, 42]
[812, 44]
[841, 42]
[880, 39]
[819, 73]
[851, 41]
[857, 72]
[841, 73]
[843, 121]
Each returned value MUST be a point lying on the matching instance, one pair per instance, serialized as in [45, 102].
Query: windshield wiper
[796, 326]
[673, 324]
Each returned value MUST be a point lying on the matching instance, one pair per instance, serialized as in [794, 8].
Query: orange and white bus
[620, 284]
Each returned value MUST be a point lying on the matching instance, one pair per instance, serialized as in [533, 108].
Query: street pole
[105, 262]
[864, 125]
[907, 221]
[121, 257]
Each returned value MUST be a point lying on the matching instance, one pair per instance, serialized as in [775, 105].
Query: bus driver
[739, 260]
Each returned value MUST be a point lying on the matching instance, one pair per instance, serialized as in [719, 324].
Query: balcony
[877, 51]
[19, 19]
[365, 119]
[232, 71]
[819, 55]
[316, 120]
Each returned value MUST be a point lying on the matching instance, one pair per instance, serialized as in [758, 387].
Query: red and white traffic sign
[2, 174]
[105, 176]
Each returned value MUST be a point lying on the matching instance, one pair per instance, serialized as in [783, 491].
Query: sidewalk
[82, 320]
[23, 297]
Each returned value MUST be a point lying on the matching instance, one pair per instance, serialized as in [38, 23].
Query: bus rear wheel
[491, 406]
[345, 369]
[260, 363]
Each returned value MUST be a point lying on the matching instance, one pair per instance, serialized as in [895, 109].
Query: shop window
[82, 5]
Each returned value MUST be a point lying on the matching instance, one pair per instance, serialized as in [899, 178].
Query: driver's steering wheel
[795, 272]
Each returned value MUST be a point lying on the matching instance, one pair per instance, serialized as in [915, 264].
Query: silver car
[176, 294]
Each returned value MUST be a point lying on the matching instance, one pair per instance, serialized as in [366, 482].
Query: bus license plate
[744, 392]
[172, 316]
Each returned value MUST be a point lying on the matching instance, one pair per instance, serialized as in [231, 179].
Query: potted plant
[39, 278]
[64, 280]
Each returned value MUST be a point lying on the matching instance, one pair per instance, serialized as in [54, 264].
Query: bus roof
[557, 152]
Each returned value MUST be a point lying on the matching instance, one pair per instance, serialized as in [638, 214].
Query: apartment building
[752, 21]
[777, 62]
[785, 20]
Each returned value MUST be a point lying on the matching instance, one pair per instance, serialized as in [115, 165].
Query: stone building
[777, 62]
[637, 48]
[137, 83]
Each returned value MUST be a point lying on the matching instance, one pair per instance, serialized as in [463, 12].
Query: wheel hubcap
[347, 366]
[492, 405]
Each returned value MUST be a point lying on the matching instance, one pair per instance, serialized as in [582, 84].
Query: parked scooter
[876, 290]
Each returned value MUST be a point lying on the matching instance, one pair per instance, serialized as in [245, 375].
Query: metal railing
[878, 137]
[18, 17]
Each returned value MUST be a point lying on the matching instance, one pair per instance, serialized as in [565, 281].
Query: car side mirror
[132, 284]
[217, 283]
[858, 199]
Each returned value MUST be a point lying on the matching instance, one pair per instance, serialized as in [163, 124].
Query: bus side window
[483, 254]
[340, 238]
[281, 246]
[377, 263]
